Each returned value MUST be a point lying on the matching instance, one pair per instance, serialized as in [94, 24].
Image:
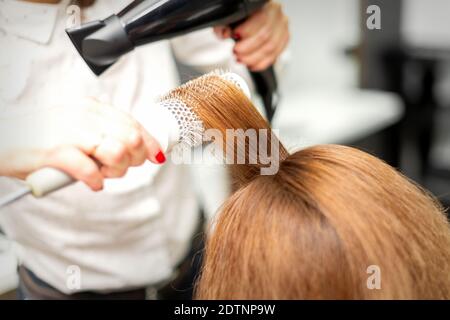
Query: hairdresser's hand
[90, 141]
[261, 38]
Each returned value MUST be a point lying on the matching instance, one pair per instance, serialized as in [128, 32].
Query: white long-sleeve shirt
[137, 229]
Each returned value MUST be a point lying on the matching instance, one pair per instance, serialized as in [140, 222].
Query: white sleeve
[203, 51]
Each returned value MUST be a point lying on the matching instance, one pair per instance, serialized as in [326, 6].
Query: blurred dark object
[374, 43]
[267, 87]
[85, 3]
[372, 76]
[373, 46]
[387, 63]
[413, 73]
[11, 295]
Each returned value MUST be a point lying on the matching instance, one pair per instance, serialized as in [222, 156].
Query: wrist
[20, 163]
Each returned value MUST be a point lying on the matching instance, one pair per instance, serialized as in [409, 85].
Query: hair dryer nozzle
[101, 43]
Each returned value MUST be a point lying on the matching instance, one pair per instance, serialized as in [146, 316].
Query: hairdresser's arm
[261, 39]
[90, 141]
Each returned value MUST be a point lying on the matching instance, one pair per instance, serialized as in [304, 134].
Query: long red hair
[315, 228]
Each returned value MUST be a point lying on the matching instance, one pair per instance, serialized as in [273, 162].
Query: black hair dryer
[101, 43]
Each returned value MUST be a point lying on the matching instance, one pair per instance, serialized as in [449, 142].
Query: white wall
[426, 23]
[321, 30]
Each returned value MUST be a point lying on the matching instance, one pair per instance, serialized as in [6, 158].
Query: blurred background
[385, 90]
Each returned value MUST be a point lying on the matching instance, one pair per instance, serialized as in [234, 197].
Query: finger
[154, 150]
[265, 51]
[222, 32]
[125, 129]
[227, 33]
[251, 26]
[271, 60]
[113, 154]
[133, 143]
[256, 57]
[218, 30]
[137, 149]
[111, 172]
[77, 164]
[122, 127]
[85, 134]
[251, 44]
[263, 64]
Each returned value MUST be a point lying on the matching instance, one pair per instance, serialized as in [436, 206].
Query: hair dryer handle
[266, 84]
[267, 87]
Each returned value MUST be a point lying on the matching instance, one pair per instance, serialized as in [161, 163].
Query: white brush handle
[47, 180]
[165, 127]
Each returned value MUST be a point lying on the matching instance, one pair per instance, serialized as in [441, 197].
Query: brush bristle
[190, 126]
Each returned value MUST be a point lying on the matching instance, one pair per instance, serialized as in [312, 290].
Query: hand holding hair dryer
[101, 43]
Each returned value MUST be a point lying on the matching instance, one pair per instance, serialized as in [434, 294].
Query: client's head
[333, 222]
[313, 230]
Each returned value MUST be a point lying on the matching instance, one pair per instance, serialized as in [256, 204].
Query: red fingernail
[160, 157]
[236, 36]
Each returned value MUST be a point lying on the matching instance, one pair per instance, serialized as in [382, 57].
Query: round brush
[173, 121]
